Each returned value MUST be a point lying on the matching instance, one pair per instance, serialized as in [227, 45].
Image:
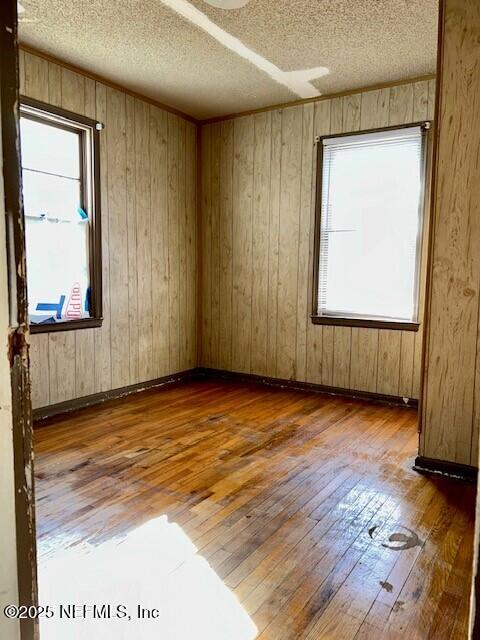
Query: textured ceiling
[148, 47]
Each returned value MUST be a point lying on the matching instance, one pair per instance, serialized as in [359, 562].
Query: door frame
[18, 335]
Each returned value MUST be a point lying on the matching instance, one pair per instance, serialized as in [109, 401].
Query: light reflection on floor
[155, 566]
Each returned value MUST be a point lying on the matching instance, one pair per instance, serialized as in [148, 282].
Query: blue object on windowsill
[52, 306]
[88, 299]
[82, 213]
[50, 320]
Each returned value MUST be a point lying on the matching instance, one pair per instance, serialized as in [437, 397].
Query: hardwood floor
[303, 504]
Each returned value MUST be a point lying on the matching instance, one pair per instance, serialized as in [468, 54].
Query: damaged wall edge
[18, 320]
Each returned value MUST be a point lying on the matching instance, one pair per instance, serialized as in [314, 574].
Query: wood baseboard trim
[305, 386]
[444, 468]
[430, 466]
[44, 413]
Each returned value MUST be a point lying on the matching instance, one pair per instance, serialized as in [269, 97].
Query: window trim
[369, 321]
[80, 124]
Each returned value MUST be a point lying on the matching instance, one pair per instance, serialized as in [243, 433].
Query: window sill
[69, 325]
[366, 323]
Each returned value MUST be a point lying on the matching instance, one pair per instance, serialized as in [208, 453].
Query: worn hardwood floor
[303, 504]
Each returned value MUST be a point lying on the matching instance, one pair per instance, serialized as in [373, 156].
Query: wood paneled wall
[258, 191]
[149, 244]
[451, 406]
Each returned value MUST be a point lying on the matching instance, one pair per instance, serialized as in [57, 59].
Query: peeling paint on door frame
[18, 318]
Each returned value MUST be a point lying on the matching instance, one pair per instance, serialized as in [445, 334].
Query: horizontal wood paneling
[262, 317]
[451, 393]
[148, 178]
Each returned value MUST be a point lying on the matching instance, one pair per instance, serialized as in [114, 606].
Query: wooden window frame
[359, 321]
[89, 132]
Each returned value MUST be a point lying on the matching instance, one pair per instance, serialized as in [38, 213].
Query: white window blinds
[370, 225]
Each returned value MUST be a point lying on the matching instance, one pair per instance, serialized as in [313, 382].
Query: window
[60, 173]
[370, 196]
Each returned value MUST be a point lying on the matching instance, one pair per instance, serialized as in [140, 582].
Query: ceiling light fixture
[227, 4]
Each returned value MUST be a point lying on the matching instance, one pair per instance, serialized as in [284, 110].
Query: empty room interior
[251, 231]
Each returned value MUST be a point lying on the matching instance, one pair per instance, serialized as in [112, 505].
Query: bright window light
[61, 217]
[370, 225]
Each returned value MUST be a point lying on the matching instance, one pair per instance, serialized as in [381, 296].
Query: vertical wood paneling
[226, 246]
[342, 336]
[103, 369]
[90, 106]
[317, 370]
[407, 361]
[73, 91]
[401, 104]
[351, 112]
[62, 368]
[274, 226]
[303, 301]
[21, 72]
[242, 244]
[117, 224]
[55, 85]
[328, 335]
[133, 343]
[144, 247]
[173, 242]
[159, 241]
[206, 244]
[450, 395]
[342, 345]
[336, 115]
[215, 243]
[84, 362]
[431, 99]
[36, 77]
[363, 359]
[423, 99]
[388, 373]
[182, 248]
[314, 333]
[131, 239]
[424, 108]
[39, 367]
[261, 211]
[375, 109]
[273, 275]
[421, 92]
[290, 187]
[191, 241]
